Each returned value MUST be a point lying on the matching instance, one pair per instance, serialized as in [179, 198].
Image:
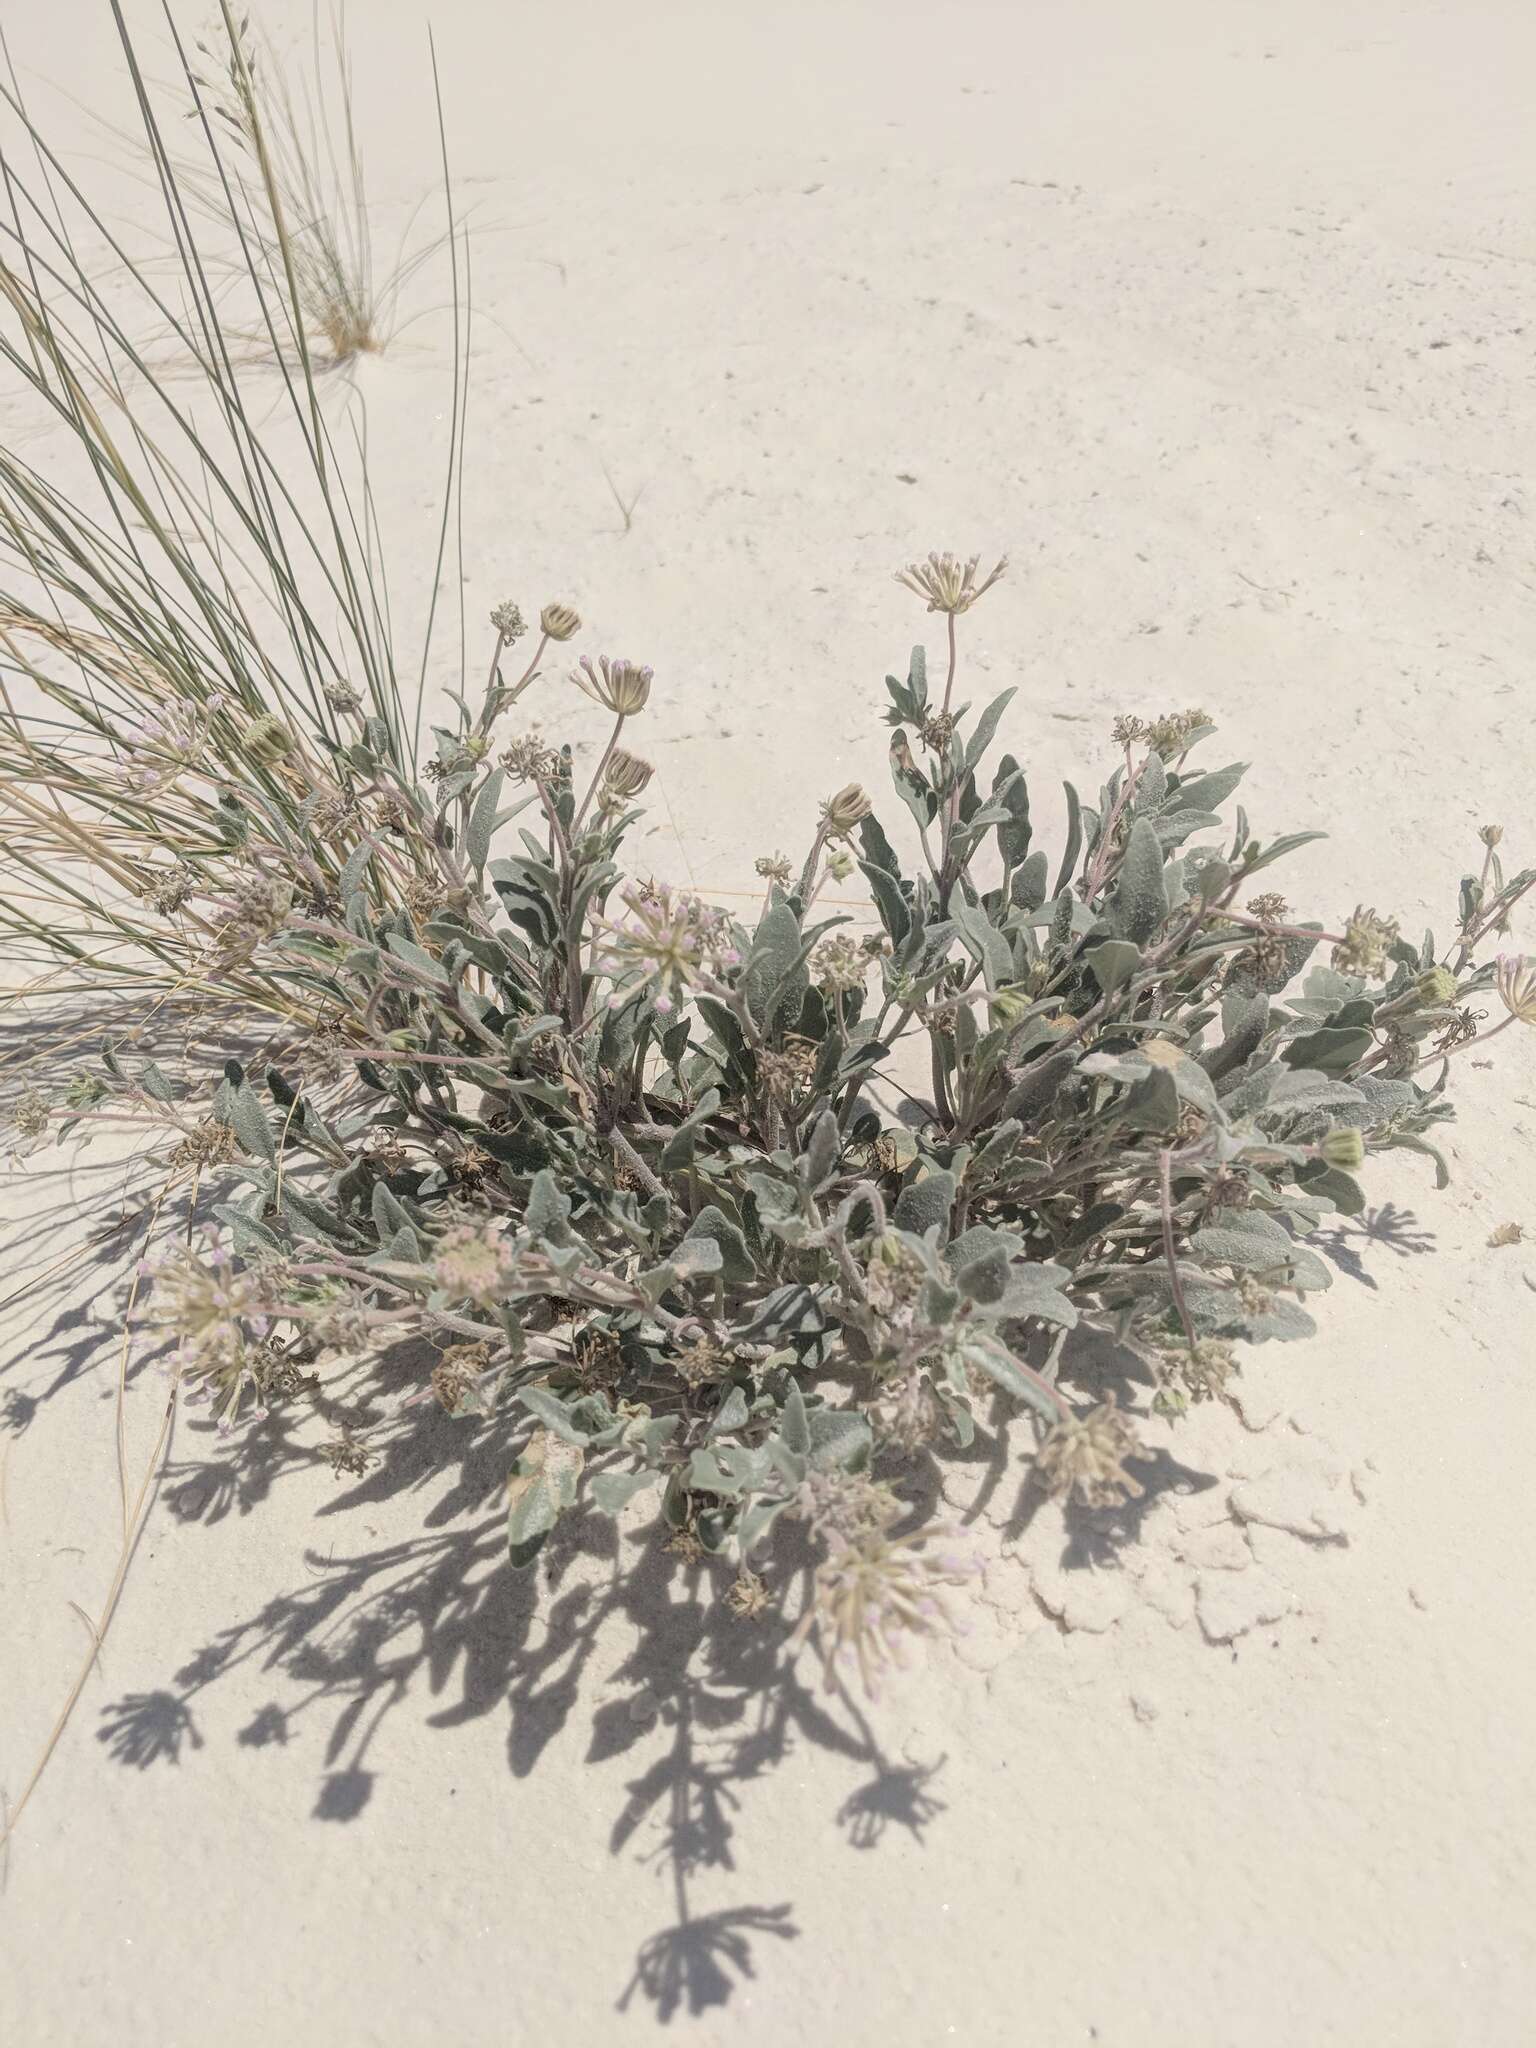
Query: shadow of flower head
[268, 1725]
[145, 1728]
[690, 1964]
[343, 1795]
[892, 1798]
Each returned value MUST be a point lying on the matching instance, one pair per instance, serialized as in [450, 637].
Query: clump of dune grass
[197, 659]
[291, 184]
[190, 591]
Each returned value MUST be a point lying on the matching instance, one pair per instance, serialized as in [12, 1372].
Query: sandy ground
[1218, 319]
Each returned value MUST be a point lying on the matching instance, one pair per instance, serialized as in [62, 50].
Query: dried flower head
[210, 1143]
[346, 1456]
[774, 867]
[509, 623]
[947, 583]
[559, 622]
[784, 1075]
[343, 698]
[840, 813]
[1227, 1190]
[1506, 1234]
[1270, 907]
[457, 1373]
[1363, 948]
[908, 1412]
[528, 759]
[748, 1596]
[1515, 979]
[1083, 1458]
[623, 687]
[258, 910]
[330, 812]
[839, 965]
[168, 890]
[1169, 734]
[599, 1359]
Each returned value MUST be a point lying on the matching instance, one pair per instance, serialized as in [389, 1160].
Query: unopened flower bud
[559, 622]
[266, 738]
[1435, 987]
[1490, 835]
[842, 812]
[1343, 1148]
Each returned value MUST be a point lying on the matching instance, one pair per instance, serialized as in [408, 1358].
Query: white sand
[1218, 319]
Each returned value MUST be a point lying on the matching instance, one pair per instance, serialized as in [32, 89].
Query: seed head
[509, 623]
[947, 583]
[621, 686]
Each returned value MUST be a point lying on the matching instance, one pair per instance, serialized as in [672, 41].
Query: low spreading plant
[729, 1217]
[736, 1216]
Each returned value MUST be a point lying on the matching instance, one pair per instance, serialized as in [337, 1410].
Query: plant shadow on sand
[705, 1702]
